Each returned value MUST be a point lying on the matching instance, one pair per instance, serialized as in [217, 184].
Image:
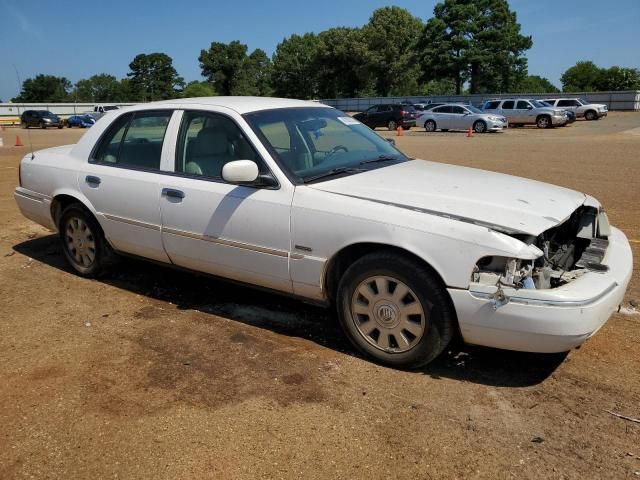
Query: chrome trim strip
[130, 221]
[550, 303]
[37, 198]
[226, 242]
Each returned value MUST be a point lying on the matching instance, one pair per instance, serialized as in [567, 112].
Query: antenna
[20, 90]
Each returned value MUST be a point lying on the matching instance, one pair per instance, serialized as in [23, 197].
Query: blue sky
[79, 39]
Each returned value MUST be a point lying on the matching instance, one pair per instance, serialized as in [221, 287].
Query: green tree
[619, 78]
[584, 76]
[294, 73]
[98, 88]
[342, 60]
[198, 89]
[535, 84]
[478, 41]
[232, 72]
[43, 89]
[153, 77]
[391, 35]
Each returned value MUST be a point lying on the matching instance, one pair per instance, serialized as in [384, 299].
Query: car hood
[502, 202]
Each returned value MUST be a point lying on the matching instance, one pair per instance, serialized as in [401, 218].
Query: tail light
[403, 113]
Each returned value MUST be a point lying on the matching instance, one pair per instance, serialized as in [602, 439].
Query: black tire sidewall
[439, 313]
[432, 123]
[480, 122]
[100, 263]
[392, 125]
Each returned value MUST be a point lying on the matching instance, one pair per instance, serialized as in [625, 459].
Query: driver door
[239, 232]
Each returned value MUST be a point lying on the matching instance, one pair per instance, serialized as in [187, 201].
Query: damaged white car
[299, 198]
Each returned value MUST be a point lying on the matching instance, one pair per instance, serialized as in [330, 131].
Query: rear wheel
[479, 126]
[430, 126]
[43, 125]
[83, 242]
[392, 125]
[590, 115]
[543, 121]
[394, 310]
[24, 125]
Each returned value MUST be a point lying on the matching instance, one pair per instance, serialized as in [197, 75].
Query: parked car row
[494, 115]
[46, 119]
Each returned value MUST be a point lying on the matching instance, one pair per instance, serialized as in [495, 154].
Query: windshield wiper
[332, 172]
[381, 158]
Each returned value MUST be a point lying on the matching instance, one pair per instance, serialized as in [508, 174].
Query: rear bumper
[34, 206]
[546, 321]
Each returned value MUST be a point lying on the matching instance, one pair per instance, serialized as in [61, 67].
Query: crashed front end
[573, 280]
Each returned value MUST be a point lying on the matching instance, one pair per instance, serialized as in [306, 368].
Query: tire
[392, 125]
[430, 126]
[83, 242]
[24, 125]
[480, 126]
[377, 327]
[544, 121]
[60, 126]
[43, 125]
[590, 115]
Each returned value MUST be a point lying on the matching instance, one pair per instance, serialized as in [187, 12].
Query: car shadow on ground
[292, 317]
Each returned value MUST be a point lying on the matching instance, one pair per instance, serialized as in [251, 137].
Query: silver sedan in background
[453, 116]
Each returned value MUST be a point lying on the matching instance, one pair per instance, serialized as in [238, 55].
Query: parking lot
[156, 373]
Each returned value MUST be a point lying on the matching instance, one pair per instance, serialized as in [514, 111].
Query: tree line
[467, 46]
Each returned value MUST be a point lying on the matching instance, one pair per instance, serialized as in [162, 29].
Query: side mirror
[529, 107]
[240, 171]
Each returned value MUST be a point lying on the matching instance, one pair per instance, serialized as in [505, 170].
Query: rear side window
[508, 105]
[135, 141]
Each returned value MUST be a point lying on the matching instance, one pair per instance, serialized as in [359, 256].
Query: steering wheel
[335, 150]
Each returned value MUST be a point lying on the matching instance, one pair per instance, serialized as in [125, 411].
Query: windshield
[473, 109]
[582, 101]
[310, 142]
[537, 103]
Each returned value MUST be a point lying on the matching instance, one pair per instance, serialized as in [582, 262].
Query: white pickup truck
[100, 110]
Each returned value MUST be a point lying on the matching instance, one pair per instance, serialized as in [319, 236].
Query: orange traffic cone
[399, 132]
[18, 141]
[470, 133]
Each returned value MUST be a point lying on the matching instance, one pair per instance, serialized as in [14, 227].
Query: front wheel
[590, 115]
[543, 121]
[43, 125]
[392, 125]
[24, 125]
[479, 126]
[394, 310]
[83, 242]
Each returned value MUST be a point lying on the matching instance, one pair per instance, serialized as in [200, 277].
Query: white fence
[627, 100]
[10, 112]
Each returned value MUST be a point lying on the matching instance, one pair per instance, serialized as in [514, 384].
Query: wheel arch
[343, 258]
[63, 198]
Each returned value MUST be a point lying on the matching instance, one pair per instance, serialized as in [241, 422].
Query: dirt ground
[153, 373]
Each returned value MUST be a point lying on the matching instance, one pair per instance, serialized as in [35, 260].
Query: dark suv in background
[40, 118]
[391, 116]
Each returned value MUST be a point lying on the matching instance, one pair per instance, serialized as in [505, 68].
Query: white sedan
[453, 116]
[301, 199]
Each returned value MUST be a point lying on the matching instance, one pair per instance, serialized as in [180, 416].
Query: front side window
[522, 105]
[207, 141]
[320, 141]
[458, 110]
[135, 140]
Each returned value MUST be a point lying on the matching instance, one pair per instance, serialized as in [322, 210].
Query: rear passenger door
[121, 180]
[441, 115]
[507, 109]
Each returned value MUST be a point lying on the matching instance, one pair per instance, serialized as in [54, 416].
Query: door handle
[172, 193]
[92, 180]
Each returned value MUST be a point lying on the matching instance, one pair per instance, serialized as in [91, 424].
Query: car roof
[240, 104]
